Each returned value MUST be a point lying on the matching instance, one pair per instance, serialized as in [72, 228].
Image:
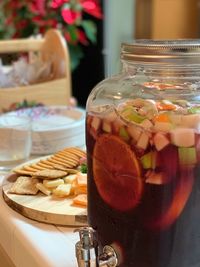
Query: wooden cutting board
[47, 209]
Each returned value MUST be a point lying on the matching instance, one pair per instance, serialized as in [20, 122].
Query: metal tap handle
[108, 257]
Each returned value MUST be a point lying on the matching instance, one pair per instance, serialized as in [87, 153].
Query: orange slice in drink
[117, 173]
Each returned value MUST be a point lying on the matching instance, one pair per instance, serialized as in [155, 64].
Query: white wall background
[118, 27]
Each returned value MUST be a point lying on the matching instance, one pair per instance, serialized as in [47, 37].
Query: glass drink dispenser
[143, 149]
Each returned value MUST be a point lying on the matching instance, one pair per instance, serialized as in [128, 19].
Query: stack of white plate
[55, 127]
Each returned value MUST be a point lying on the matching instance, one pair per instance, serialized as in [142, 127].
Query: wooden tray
[44, 208]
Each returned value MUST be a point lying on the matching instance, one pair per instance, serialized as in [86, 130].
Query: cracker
[56, 161]
[76, 151]
[66, 160]
[64, 154]
[29, 168]
[21, 171]
[63, 168]
[36, 166]
[44, 165]
[49, 174]
[47, 163]
[24, 186]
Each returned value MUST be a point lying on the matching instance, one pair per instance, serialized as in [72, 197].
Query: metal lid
[163, 51]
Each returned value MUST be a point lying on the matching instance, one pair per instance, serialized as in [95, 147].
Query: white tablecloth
[33, 244]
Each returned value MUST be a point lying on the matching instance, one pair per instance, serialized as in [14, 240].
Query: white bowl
[55, 127]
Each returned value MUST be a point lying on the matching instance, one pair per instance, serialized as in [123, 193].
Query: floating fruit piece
[146, 124]
[95, 124]
[117, 173]
[157, 178]
[176, 119]
[191, 121]
[162, 117]
[160, 141]
[116, 125]
[180, 197]
[183, 137]
[187, 155]
[194, 110]
[106, 126]
[123, 133]
[148, 160]
[163, 126]
[163, 106]
[130, 114]
[143, 141]
[134, 132]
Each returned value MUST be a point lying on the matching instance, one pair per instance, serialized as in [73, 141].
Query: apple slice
[106, 126]
[187, 156]
[157, 178]
[180, 197]
[160, 141]
[183, 137]
[143, 141]
[149, 160]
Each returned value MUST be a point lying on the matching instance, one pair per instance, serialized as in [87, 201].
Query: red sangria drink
[144, 180]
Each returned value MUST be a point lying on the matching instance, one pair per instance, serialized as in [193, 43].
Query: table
[34, 244]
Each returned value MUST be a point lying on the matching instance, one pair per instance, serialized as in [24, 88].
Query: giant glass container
[143, 148]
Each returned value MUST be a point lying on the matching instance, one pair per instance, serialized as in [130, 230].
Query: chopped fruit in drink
[157, 178]
[180, 197]
[124, 134]
[106, 127]
[143, 141]
[176, 119]
[191, 121]
[187, 155]
[96, 122]
[116, 125]
[194, 110]
[148, 160]
[134, 132]
[162, 117]
[117, 173]
[111, 116]
[146, 124]
[130, 114]
[165, 106]
[183, 137]
[95, 127]
[160, 141]
[162, 126]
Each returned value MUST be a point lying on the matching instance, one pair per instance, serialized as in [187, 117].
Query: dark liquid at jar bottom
[141, 245]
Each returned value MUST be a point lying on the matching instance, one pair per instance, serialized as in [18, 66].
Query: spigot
[87, 251]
